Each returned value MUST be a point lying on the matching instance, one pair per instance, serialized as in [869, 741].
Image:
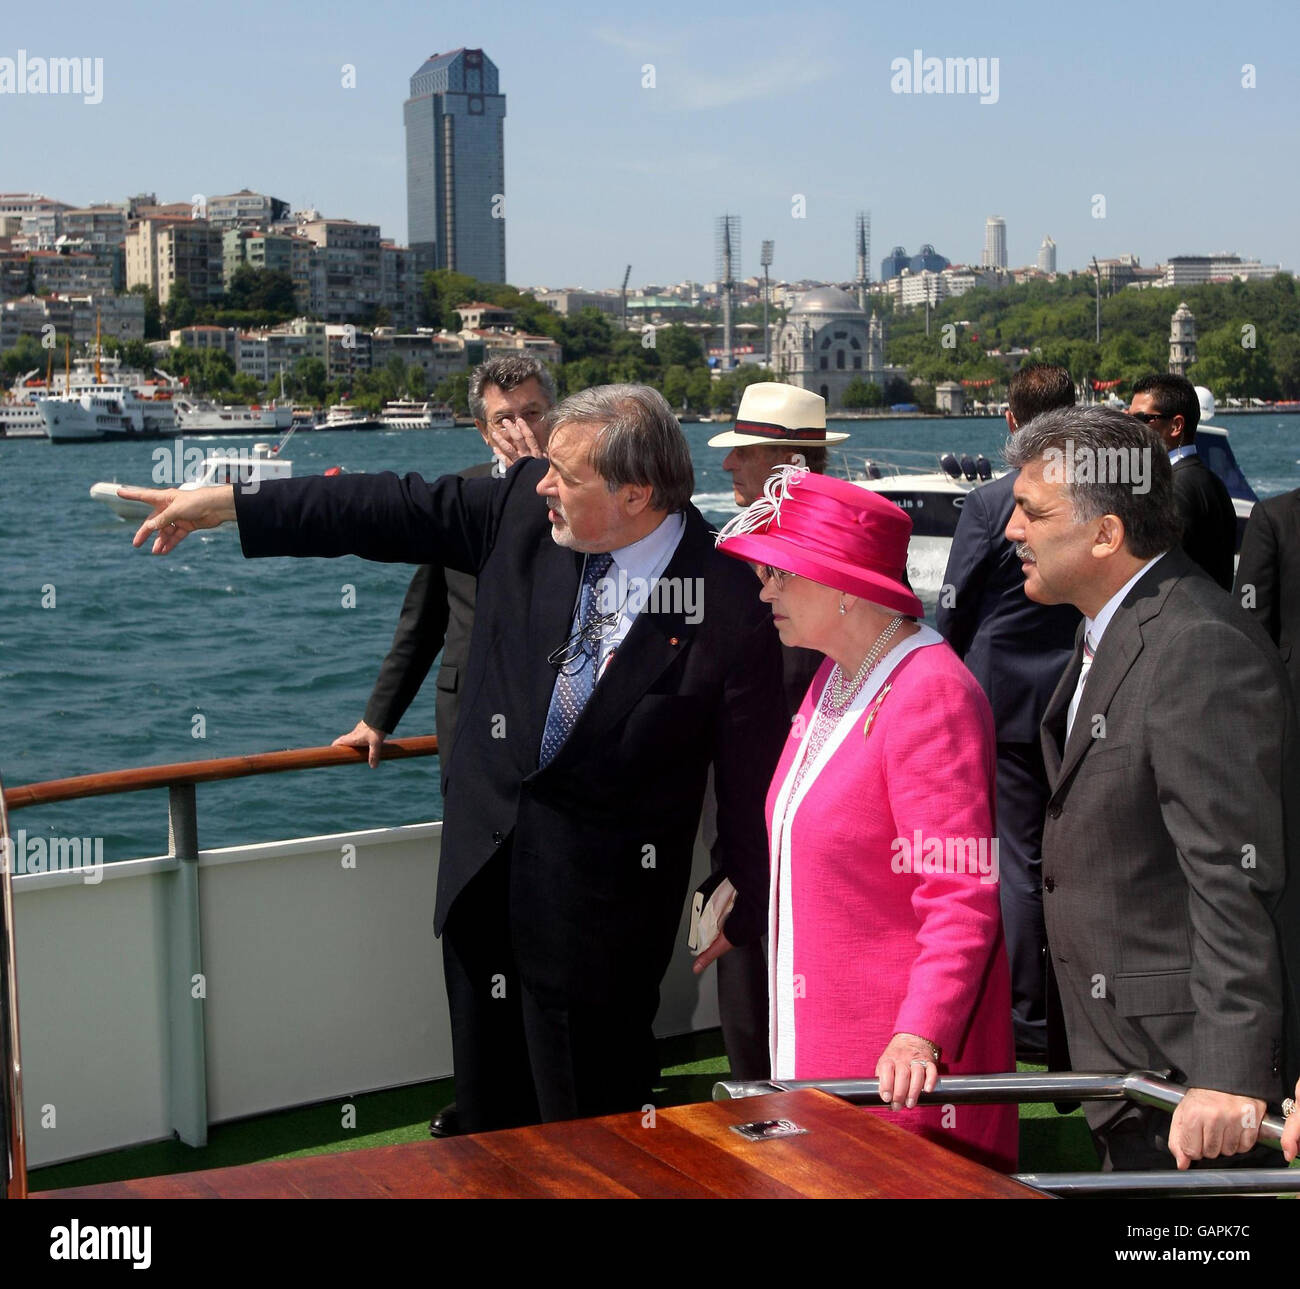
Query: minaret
[1182, 340]
[863, 239]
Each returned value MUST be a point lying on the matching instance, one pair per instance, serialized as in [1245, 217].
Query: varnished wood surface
[227, 767]
[689, 1152]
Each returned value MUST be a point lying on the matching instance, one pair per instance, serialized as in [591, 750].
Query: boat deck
[688, 1152]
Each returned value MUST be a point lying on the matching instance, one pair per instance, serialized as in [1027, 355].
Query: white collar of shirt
[1184, 450]
[1096, 627]
[633, 573]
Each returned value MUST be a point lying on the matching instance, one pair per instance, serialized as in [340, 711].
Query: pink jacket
[895, 916]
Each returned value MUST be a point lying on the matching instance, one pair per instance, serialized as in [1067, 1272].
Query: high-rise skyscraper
[455, 165]
[995, 243]
[1047, 256]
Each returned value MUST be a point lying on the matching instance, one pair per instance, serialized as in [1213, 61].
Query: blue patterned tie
[576, 679]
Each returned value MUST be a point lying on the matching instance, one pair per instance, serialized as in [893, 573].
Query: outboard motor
[950, 466]
[982, 468]
[968, 468]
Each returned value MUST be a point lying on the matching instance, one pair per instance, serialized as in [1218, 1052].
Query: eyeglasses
[582, 644]
[1147, 417]
[766, 573]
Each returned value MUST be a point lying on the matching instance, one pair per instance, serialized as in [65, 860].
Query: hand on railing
[1209, 1125]
[366, 736]
[177, 513]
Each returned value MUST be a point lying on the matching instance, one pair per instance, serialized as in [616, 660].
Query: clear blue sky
[753, 103]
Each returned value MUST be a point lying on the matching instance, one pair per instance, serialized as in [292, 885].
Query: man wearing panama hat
[775, 425]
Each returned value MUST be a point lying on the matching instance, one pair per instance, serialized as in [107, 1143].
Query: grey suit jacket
[1166, 843]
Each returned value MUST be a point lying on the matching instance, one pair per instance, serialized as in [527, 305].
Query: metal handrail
[13, 1183]
[112, 782]
[188, 1068]
[1143, 1087]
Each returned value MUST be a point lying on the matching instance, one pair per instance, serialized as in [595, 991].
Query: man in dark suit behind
[1168, 404]
[438, 611]
[1268, 575]
[1017, 650]
[1166, 846]
[584, 739]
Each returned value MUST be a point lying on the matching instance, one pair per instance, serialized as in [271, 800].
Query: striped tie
[576, 679]
[1089, 649]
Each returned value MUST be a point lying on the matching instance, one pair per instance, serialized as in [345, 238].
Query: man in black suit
[1171, 749]
[1169, 405]
[508, 396]
[590, 717]
[438, 611]
[1268, 575]
[1017, 650]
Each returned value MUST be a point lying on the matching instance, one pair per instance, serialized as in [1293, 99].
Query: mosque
[827, 341]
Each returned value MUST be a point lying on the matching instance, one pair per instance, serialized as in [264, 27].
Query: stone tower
[1182, 340]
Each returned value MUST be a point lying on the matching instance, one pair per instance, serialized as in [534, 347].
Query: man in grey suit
[1170, 750]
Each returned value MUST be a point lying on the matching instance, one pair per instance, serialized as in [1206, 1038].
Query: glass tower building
[455, 166]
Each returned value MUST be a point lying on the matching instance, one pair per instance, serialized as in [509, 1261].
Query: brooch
[875, 707]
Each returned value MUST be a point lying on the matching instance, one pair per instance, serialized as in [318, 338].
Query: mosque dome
[826, 299]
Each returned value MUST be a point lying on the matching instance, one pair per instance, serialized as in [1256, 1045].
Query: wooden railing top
[112, 782]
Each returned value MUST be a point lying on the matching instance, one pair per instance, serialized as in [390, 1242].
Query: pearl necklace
[842, 692]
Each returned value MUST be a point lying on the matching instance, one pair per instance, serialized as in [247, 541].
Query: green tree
[859, 393]
[310, 376]
[675, 382]
[699, 389]
[677, 346]
[181, 310]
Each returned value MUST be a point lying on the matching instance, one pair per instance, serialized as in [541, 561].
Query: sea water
[112, 658]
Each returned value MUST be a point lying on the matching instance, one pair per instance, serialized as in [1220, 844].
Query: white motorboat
[219, 466]
[407, 414]
[930, 487]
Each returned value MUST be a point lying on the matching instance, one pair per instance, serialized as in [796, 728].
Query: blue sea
[107, 654]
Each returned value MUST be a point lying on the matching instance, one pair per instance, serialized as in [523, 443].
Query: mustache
[1024, 553]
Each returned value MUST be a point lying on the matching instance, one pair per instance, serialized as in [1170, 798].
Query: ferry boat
[21, 419]
[404, 414]
[204, 417]
[106, 411]
[220, 466]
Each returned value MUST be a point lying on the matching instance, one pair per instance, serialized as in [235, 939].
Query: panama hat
[778, 415]
[830, 531]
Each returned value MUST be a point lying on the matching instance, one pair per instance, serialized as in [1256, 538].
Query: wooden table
[690, 1152]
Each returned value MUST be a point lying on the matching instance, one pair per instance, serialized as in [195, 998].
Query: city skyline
[625, 139]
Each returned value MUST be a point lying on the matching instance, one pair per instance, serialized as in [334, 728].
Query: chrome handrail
[1143, 1087]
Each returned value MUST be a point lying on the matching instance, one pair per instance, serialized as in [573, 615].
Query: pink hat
[830, 531]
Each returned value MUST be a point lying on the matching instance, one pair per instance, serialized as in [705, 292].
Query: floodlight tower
[766, 260]
[727, 248]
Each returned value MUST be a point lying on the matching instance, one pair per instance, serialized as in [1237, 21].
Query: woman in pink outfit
[885, 936]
